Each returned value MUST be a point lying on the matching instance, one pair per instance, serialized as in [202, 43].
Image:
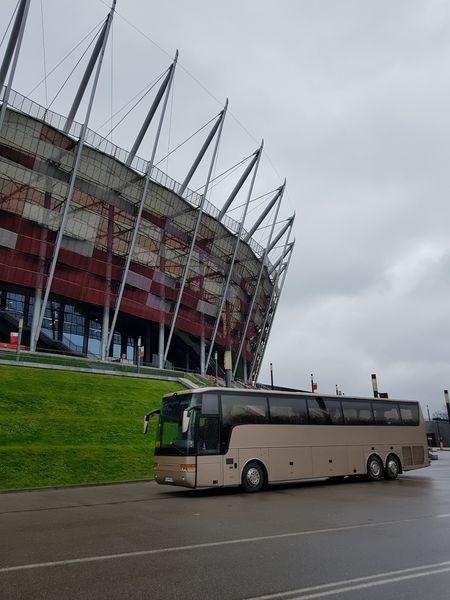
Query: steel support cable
[226, 172]
[270, 224]
[278, 247]
[252, 200]
[263, 238]
[144, 91]
[232, 170]
[134, 105]
[256, 206]
[187, 139]
[76, 65]
[67, 56]
[200, 84]
[148, 38]
[9, 24]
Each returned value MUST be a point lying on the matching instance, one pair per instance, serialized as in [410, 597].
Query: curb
[74, 486]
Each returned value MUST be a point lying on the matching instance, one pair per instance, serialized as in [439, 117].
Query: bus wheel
[374, 468]
[392, 467]
[252, 477]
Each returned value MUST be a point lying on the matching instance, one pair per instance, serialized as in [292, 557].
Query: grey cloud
[352, 100]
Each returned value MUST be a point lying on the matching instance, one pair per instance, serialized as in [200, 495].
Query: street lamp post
[139, 354]
[19, 339]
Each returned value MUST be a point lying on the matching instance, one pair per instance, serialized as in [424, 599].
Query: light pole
[374, 385]
[216, 358]
[19, 339]
[271, 375]
[139, 354]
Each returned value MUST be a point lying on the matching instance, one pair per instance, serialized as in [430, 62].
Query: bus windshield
[170, 437]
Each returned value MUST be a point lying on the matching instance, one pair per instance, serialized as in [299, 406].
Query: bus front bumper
[174, 470]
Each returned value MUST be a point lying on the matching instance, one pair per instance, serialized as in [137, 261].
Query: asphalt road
[353, 540]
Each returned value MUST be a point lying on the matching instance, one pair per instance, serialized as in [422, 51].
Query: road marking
[349, 585]
[249, 540]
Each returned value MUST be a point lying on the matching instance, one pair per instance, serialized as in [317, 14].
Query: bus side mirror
[186, 417]
[147, 418]
[185, 421]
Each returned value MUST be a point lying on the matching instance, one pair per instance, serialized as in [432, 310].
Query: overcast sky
[352, 99]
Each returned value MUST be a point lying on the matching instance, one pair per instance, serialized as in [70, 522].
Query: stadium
[102, 254]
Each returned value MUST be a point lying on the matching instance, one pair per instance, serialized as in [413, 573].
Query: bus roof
[214, 389]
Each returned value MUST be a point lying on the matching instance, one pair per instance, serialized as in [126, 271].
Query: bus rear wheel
[253, 477]
[374, 468]
[392, 467]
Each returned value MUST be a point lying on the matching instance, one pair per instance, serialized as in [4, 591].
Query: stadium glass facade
[36, 160]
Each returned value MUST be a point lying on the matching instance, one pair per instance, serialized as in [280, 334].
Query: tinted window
[210, 404]
[386, 413]
[358, 412]
[334, 410]
[288, 410]
[240, 410]
[410, 414]
[318, 412]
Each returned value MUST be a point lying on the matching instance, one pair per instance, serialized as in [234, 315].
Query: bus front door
[209, 462]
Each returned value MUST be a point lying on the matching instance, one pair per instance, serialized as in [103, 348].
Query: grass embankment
[60, 428]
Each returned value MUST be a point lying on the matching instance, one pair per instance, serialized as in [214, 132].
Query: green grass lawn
[60, 428]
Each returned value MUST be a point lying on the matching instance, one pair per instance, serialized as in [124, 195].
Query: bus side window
[386, 413]
[410, 414]
[318, 412]
[357, 412]
[335, 411]
[241, 410]
[288, 410]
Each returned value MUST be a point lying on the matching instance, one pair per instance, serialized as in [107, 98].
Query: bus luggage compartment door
[209, 471]
[231, 467]
[289, 463]
[329, 461]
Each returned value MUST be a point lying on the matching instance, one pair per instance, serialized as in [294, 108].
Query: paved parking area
[351, 540]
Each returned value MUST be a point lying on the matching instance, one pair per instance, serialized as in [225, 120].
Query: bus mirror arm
[147, 418]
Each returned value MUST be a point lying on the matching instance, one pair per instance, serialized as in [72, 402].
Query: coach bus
[214, 437]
